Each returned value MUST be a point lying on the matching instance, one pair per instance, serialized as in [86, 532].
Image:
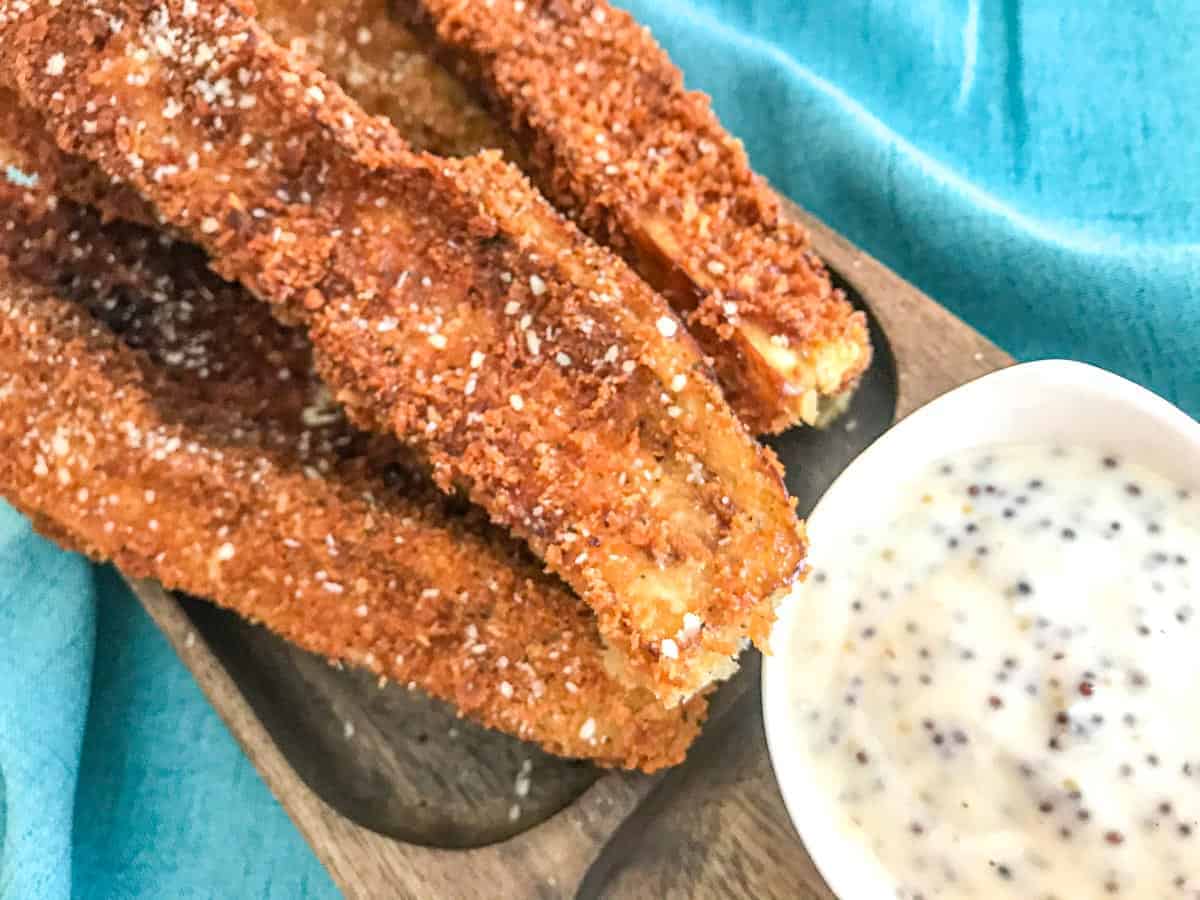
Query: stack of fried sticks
[434, 337]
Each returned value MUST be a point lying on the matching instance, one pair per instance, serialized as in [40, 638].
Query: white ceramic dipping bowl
[1046, 402]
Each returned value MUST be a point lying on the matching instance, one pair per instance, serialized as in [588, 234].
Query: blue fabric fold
[47, 631]
[1028, 165]
[167, 804]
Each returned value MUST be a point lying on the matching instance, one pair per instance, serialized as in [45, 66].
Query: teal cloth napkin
[1028, 164]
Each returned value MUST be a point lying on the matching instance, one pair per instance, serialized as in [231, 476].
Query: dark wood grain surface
[393, 760]
[399, 798]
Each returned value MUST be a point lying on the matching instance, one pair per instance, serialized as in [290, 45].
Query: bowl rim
[840, 862]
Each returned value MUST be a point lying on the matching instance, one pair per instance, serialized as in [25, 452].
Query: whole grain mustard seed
[998, 698]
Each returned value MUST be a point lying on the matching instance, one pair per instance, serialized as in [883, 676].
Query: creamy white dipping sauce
[997, 683]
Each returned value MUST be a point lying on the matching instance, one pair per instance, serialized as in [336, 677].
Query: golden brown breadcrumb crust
[644, 166]
[387, 71]
[448, 304]
[211, 458]
[27, 144]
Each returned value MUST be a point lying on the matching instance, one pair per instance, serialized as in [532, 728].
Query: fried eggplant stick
[448, 304]
[643, 165]
[165, 423]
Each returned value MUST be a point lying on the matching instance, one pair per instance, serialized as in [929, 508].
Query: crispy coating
[643, 165]
[27, 146]
[200, 449]
[387, 71]
[447, 304]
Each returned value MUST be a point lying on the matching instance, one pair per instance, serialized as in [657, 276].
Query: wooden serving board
[399, 798]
